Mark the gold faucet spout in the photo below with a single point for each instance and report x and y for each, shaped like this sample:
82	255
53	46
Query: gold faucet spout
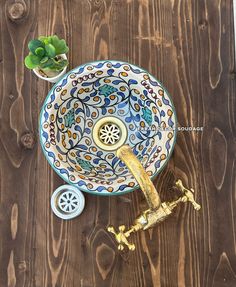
157	211
126	154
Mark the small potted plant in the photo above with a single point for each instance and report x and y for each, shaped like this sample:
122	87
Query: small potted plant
47	58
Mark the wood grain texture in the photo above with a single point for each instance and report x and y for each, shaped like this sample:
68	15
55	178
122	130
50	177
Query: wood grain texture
188	45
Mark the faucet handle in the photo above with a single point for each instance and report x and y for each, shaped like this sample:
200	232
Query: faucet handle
187	194
121	237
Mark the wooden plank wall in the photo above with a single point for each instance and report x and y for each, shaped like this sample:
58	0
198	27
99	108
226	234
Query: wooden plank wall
188	45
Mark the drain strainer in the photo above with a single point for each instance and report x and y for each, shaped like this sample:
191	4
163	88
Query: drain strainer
67	202
109	133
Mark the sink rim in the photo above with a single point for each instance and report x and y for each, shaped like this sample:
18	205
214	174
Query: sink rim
106	193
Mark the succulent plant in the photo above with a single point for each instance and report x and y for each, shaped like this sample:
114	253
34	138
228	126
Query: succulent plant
44	53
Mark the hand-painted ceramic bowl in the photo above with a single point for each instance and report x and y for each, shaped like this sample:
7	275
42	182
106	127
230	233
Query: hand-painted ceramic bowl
96	108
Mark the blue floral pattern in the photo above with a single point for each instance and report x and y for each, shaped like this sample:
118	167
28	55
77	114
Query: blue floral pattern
84	164
147	115
69	118
107	90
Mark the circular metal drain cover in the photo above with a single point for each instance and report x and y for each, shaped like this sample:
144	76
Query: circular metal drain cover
109	133
67	202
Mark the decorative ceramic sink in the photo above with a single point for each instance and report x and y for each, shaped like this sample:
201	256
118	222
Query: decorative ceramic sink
106	128
95	109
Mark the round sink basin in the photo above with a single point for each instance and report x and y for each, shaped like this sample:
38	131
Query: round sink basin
95	109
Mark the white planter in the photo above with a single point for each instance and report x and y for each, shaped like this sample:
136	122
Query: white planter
52	79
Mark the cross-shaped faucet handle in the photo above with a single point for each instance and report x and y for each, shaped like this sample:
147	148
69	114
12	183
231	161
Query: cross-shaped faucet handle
121	237
187	194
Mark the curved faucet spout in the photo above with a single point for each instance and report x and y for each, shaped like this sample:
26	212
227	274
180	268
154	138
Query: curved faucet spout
126	154
157	211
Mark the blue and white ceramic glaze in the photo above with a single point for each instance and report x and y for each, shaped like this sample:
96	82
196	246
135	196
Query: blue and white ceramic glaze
96	90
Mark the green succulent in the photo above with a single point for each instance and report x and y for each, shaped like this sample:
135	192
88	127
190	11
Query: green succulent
44	53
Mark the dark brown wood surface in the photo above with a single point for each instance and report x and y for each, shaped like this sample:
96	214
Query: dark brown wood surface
188	45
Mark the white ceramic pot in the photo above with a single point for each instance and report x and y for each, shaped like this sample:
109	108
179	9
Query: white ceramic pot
55	78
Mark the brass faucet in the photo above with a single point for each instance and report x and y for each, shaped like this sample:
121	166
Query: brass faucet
157	211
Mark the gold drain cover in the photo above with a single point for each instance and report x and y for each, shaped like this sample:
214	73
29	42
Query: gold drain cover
109	133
